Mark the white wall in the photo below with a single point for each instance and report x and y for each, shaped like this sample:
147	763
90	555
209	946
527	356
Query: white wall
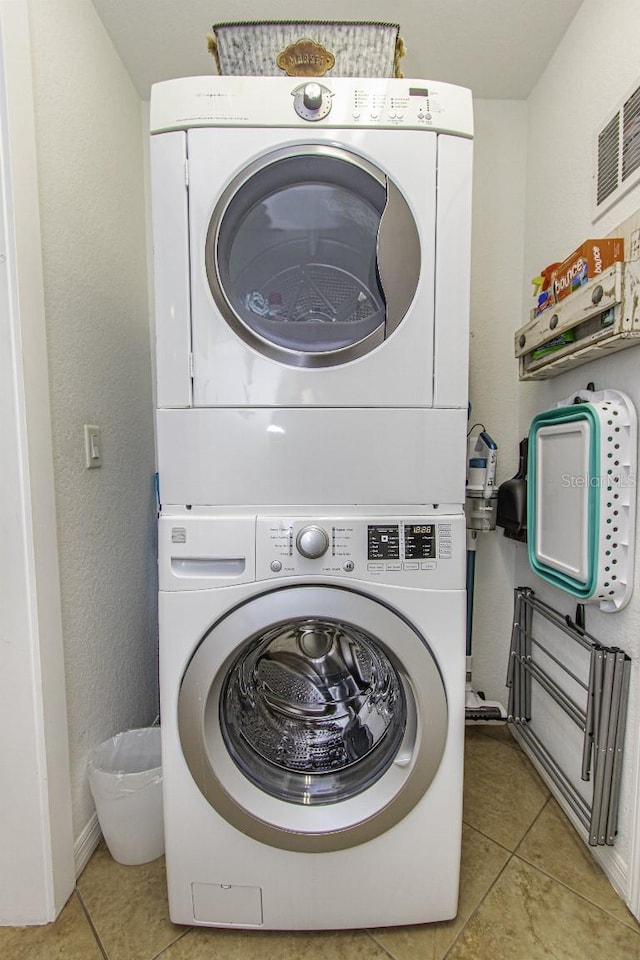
90	168
496	287
593	68
36	846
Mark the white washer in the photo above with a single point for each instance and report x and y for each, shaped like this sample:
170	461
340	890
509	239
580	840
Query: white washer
312	256
312	691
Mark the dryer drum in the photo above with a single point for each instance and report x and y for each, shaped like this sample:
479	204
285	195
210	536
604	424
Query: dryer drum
311	293
313	711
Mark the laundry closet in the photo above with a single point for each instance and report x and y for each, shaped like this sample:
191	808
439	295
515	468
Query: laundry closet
532	205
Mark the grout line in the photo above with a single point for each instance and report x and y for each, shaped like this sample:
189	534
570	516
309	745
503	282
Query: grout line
477	906
631	923
85	910
581	896
381	946
493	839
532	824
511	855
173	942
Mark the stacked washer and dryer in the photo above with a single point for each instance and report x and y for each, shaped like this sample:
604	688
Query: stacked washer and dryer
311	254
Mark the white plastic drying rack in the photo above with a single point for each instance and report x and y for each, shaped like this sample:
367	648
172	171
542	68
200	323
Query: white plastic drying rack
582	496
601	717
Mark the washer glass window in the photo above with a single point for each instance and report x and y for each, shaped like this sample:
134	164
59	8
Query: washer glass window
313	711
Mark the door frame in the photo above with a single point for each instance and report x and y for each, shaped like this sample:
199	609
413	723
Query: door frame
36	834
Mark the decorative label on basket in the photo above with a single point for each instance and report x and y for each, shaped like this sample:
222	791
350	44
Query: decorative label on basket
305	58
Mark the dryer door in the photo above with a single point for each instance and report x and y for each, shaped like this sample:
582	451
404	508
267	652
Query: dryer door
312	718
312	255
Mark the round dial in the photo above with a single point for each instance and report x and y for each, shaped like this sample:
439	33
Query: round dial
312	542
312	96
312	101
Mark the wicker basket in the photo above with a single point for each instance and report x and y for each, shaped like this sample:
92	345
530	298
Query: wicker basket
309	48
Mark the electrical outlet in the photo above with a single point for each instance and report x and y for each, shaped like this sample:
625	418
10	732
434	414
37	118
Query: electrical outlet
92	446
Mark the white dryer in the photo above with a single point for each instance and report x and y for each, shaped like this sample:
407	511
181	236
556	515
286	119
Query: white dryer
311	250
304	256
312	692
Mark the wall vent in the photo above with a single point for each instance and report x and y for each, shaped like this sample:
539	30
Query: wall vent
617	154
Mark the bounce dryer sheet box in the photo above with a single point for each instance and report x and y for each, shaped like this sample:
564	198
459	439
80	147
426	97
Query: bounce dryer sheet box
590	259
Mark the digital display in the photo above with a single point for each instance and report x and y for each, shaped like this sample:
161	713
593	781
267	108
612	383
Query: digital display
383	542
419	541
418	92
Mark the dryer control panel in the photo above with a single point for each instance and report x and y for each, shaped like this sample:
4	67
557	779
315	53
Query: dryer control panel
411	551
373	102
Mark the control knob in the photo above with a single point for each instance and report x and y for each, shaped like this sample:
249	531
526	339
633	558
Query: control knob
312	542
312	96
312	101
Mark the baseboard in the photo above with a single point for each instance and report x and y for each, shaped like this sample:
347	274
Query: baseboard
616	869
86	844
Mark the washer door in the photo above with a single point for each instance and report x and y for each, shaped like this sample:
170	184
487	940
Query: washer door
312	256
312	718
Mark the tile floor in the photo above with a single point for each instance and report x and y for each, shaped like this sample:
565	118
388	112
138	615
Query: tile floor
530	891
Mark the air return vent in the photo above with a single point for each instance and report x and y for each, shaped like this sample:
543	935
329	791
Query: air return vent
631	136
608	159
618	154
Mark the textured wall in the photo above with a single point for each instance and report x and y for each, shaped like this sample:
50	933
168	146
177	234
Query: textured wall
567	107
496	285
89	138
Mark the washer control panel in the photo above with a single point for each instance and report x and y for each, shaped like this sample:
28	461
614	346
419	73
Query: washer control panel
407	550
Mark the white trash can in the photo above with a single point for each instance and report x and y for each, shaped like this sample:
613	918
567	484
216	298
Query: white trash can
125	776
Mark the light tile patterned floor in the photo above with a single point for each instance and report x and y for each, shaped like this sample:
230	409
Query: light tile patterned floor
529	891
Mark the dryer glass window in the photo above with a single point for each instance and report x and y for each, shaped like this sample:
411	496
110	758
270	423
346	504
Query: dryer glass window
292	257
313	711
